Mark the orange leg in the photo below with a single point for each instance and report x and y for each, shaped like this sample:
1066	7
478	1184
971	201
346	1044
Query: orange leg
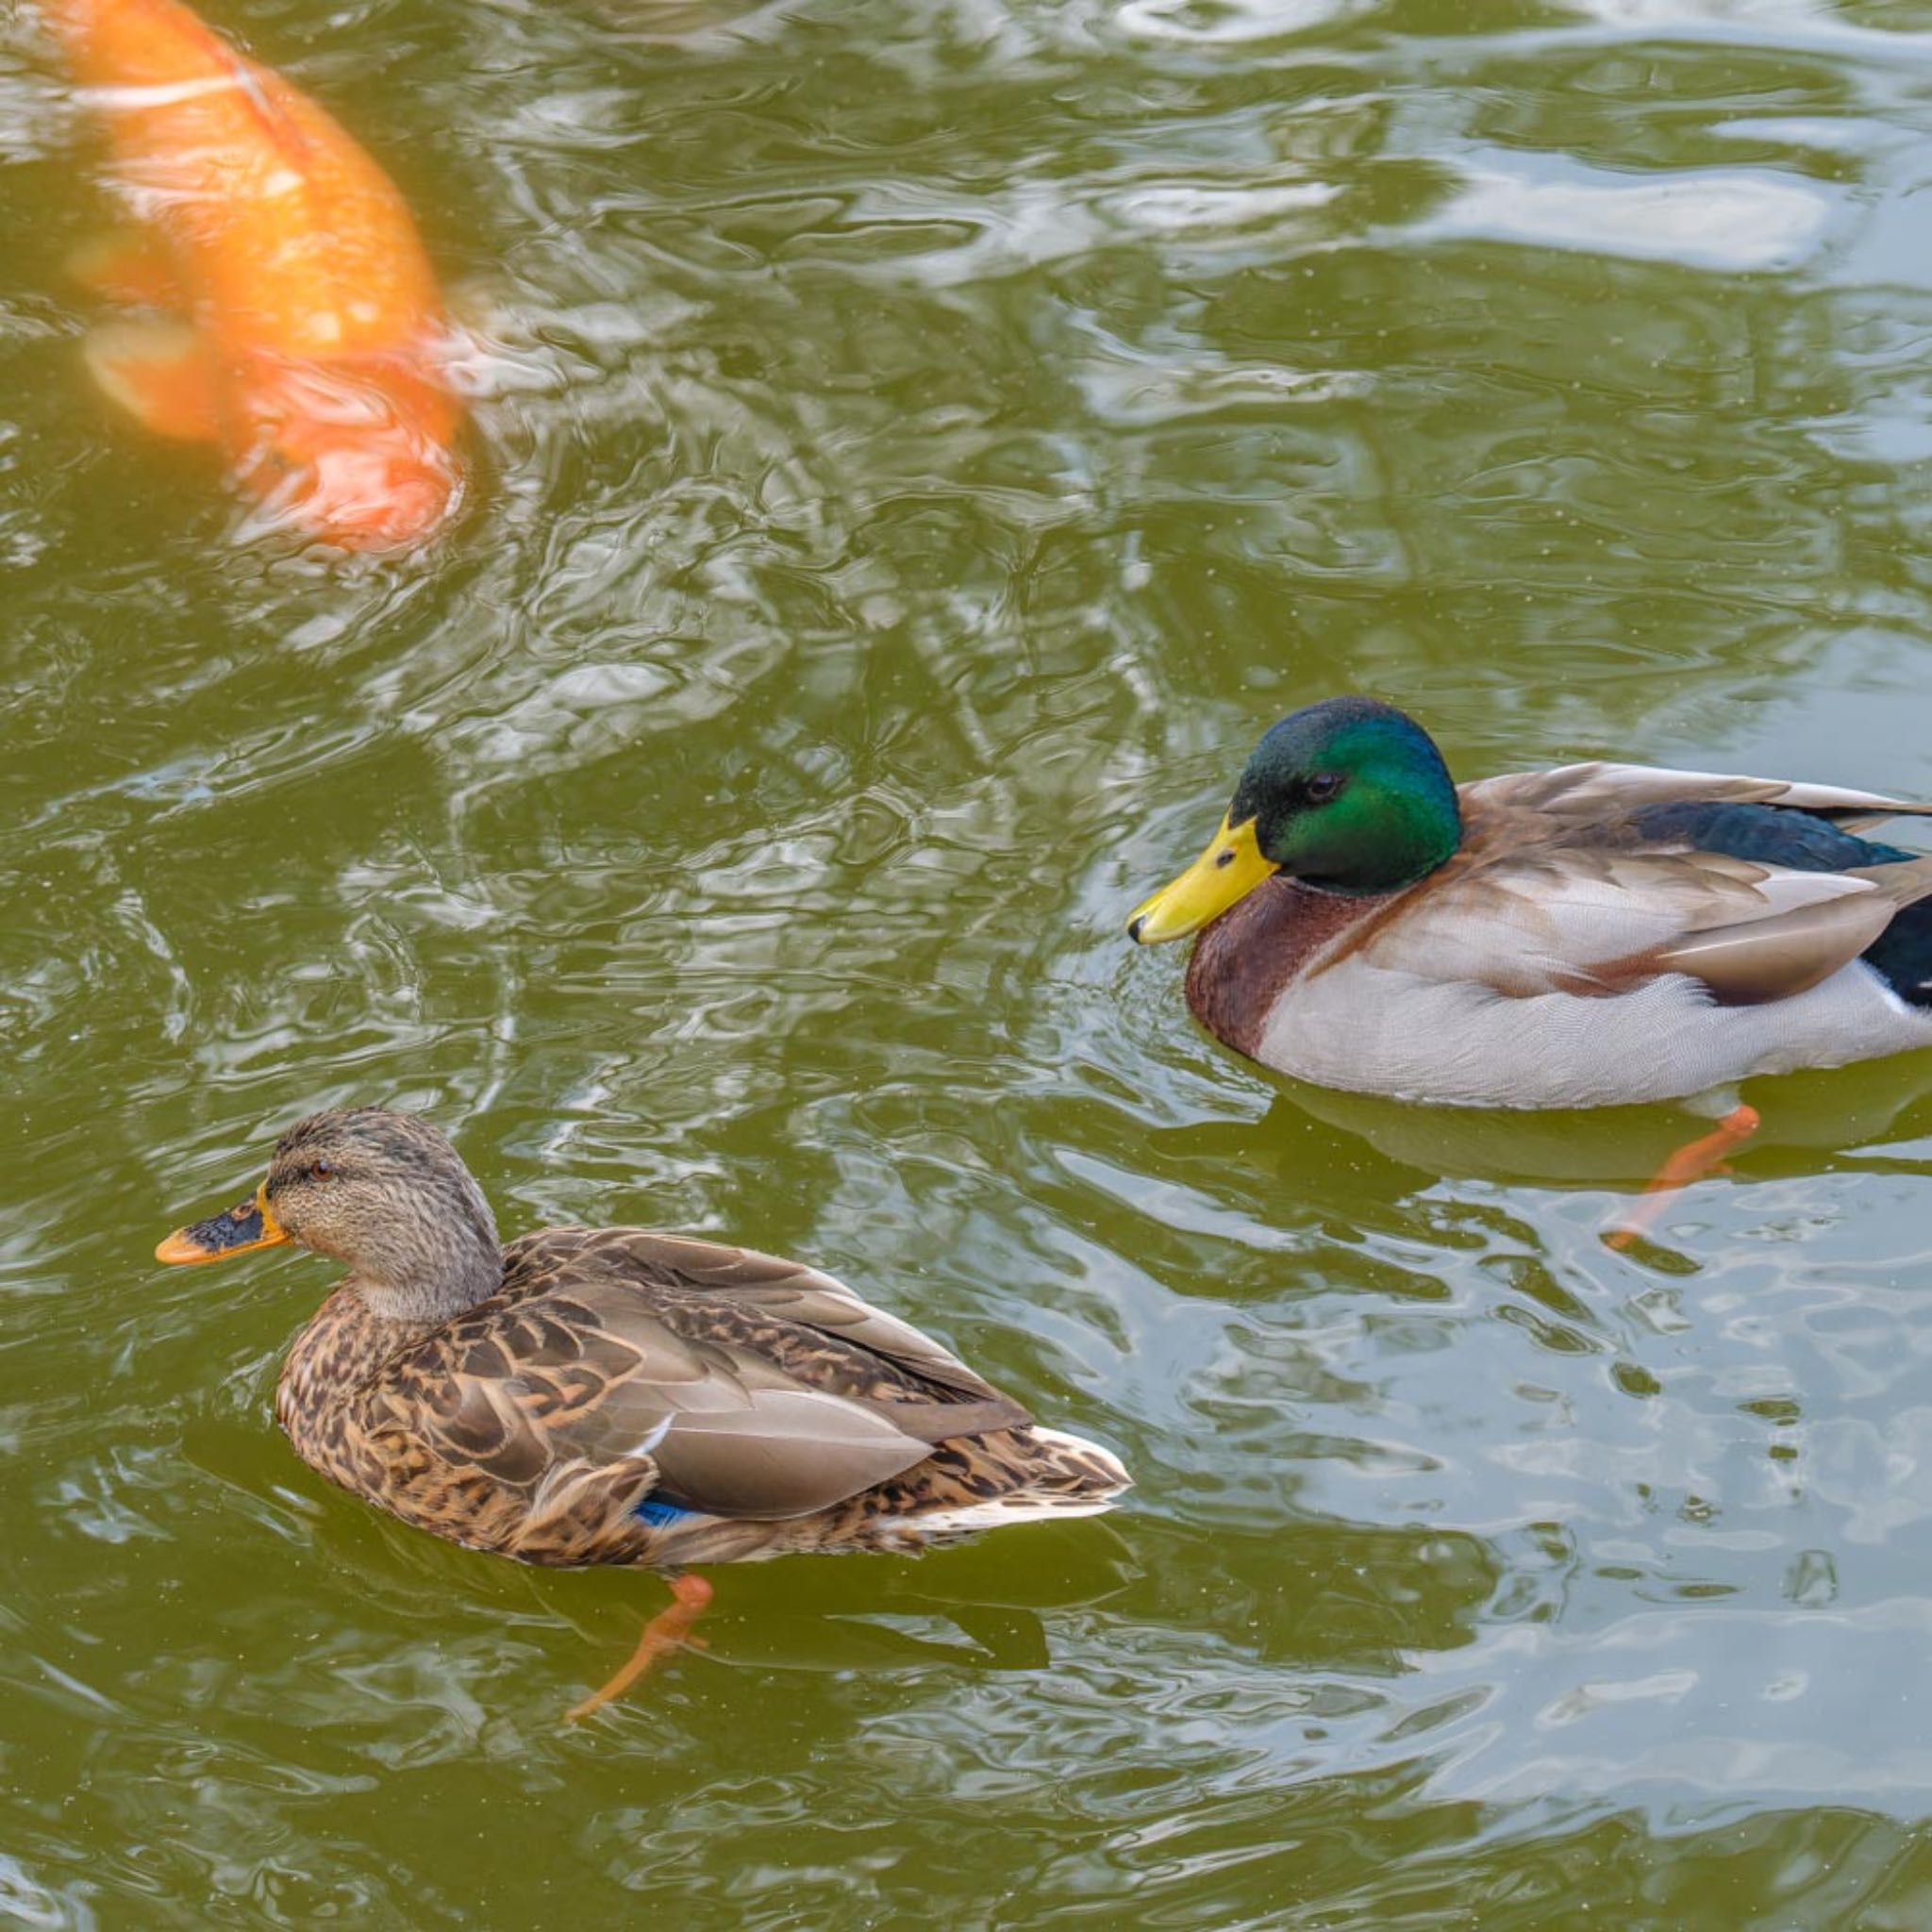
689	1596
1702	1157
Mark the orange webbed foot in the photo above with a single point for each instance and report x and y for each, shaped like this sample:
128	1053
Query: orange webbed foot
690	1598
1703	1157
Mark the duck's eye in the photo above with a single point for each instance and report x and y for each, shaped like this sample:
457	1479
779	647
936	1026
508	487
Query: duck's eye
1324	786
320	1170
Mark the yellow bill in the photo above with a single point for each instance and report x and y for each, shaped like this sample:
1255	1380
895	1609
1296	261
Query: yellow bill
1227	872
245	1226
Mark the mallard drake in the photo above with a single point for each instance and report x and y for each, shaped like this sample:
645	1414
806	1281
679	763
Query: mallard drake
615	1395
1591	936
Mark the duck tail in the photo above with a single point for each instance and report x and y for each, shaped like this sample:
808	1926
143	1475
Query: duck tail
1072	1463
1047	1472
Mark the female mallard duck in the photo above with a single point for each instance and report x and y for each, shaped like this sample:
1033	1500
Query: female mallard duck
1585	936
613	1396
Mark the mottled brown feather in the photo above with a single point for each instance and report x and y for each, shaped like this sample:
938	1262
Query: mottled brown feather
617	1364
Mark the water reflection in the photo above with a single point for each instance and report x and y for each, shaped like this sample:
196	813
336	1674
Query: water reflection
916	453
1820	1112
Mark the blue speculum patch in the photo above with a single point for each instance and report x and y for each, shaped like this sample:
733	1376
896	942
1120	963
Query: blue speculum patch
659	1514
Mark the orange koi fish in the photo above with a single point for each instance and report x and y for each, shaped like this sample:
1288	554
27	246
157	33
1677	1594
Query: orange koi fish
307	328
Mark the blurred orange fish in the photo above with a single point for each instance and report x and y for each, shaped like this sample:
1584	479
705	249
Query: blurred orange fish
311	330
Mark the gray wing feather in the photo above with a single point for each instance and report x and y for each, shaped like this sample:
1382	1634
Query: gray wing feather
1554	890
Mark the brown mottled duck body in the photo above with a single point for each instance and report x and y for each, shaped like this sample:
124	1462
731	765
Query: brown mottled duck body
616	1395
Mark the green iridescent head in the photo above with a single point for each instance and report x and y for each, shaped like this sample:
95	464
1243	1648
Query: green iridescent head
1350	795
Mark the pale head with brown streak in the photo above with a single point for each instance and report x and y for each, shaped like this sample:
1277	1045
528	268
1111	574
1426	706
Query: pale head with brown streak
384	1193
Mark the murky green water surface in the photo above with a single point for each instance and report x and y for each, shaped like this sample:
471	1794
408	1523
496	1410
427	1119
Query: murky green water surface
920	447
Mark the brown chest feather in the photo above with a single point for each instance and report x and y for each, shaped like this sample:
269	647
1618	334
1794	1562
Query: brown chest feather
336	1355
1243	963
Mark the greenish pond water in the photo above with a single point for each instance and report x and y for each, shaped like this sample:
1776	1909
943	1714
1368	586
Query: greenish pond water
919	447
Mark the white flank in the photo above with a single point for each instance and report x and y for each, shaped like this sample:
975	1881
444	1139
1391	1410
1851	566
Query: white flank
997	1514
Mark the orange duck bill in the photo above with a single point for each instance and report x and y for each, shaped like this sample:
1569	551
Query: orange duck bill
245	1226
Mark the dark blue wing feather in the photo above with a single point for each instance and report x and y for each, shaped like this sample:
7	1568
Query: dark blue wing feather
1802	842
